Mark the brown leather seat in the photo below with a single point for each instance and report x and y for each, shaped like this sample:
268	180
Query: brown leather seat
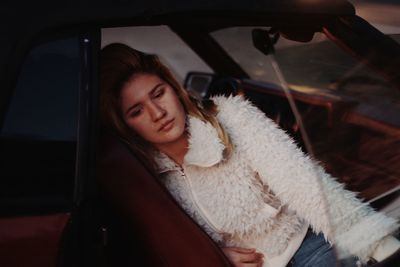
161	233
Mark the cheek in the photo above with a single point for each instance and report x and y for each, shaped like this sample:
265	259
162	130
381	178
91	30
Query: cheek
178	106
142	128
179	114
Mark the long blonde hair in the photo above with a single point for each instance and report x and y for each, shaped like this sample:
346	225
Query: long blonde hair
118	64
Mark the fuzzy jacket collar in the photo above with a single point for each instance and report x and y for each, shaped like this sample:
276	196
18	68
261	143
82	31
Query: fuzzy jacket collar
205	147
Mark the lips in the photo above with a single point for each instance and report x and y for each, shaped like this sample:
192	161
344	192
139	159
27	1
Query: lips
166	126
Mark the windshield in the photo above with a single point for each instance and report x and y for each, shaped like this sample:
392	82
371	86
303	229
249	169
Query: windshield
318	65
340	111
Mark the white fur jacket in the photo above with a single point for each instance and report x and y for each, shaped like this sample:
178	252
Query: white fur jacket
267	190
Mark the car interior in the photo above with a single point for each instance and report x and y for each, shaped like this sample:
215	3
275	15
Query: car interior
324	118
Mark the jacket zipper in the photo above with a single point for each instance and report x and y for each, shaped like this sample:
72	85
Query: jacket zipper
195	201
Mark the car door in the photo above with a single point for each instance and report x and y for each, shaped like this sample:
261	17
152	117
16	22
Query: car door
43	156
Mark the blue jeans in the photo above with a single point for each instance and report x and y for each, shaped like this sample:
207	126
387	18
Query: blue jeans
316	252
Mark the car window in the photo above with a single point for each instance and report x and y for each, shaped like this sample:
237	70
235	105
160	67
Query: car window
349	113
158	40
39	134
323	59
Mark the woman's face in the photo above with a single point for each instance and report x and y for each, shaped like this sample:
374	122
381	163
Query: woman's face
152	109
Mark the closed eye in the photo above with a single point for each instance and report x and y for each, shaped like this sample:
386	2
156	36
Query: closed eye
135	112
159	93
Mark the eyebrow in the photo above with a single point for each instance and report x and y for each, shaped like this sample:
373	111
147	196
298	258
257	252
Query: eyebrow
151	92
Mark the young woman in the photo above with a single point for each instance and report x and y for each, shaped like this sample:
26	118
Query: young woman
239	176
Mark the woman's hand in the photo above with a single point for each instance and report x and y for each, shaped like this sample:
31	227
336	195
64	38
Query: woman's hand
244	257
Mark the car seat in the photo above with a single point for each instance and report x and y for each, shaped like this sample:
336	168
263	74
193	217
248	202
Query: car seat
146	226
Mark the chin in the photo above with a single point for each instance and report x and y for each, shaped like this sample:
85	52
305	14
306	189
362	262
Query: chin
172	136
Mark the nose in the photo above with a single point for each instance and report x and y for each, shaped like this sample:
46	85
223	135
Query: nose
156	111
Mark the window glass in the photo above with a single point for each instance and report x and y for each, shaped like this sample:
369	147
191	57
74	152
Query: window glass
350	113
317	64
158	40
238	43
44	104
38	138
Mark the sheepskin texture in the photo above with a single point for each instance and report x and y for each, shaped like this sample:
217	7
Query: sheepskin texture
267	190
212	152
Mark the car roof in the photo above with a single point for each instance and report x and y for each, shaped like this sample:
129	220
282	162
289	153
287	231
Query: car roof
111	8
38	16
